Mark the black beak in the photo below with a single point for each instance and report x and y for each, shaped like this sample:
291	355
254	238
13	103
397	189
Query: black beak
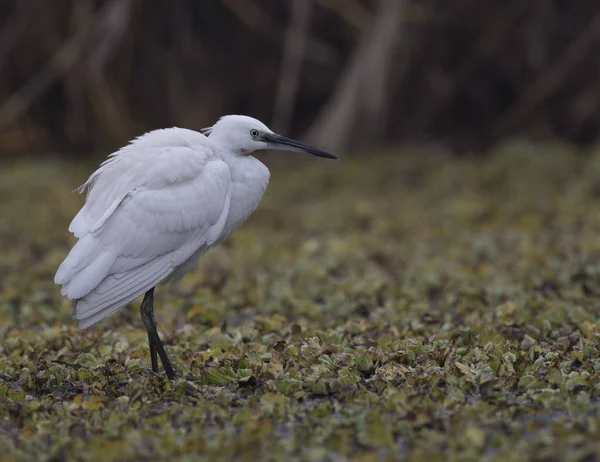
278	141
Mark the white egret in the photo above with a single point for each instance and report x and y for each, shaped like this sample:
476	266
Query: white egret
155	206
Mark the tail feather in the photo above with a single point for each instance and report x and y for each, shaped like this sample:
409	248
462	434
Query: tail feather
85	322
88	279
118	290
83	253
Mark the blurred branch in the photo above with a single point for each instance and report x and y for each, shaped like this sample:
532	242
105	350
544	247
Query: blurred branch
20	101
109	34
351	11
13	29
363	83
291	65
60	64
250	14
76	122
549	81
490	40
378	71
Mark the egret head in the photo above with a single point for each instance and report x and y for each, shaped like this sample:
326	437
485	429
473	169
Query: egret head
243	135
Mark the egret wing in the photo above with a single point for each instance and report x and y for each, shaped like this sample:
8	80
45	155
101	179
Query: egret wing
150	234
155	160
152	229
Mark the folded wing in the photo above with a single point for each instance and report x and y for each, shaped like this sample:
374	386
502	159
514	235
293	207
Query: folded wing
136	235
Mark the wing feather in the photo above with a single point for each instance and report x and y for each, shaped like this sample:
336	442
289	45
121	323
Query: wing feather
114	293
137	234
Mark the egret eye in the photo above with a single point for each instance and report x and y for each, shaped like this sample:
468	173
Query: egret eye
254	133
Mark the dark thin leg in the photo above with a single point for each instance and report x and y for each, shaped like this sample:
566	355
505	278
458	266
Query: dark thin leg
153	356
156	346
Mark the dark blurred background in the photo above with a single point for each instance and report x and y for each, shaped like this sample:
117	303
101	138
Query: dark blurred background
83	75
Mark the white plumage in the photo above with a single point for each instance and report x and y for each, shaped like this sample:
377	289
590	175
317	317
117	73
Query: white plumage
155	206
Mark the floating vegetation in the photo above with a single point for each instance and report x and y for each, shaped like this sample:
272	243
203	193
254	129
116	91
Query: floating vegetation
382	308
